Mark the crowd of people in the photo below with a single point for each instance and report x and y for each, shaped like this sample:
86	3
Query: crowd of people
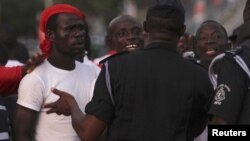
158	83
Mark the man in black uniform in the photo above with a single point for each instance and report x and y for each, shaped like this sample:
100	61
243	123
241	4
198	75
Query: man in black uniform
231	103
151	97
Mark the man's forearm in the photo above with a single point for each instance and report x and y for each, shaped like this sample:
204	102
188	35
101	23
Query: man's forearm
77	119
22	136
88	127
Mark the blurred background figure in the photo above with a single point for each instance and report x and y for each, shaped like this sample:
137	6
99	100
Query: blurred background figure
17	52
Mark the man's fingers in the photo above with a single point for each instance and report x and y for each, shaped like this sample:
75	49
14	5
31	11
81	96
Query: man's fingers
57	92
53	110
50	111
50	105
34	61
30	69
38	58
41	56
182	39
33	58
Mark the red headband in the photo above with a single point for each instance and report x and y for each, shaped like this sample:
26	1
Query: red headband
45	44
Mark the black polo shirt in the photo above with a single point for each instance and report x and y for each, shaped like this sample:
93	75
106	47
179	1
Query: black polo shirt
158	96
232	99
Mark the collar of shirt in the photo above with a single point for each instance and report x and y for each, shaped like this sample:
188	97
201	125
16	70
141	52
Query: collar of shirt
162	45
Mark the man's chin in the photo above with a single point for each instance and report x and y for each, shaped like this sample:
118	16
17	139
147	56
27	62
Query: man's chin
131	49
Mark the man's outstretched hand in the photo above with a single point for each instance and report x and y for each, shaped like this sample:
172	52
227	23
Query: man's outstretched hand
63	105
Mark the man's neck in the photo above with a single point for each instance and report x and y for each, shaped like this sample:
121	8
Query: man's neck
160	37
62	62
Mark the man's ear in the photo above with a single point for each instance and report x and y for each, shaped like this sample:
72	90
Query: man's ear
145	26
50	35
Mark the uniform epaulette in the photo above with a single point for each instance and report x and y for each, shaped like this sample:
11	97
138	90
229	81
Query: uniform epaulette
235	50
113	56
237	55
198	64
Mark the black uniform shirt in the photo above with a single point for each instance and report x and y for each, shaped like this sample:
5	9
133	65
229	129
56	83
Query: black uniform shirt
158	95
232	98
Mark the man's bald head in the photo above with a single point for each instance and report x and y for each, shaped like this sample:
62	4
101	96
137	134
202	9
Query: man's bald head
120	19
124	33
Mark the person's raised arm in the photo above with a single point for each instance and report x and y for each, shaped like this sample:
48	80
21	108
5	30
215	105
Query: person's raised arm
88	127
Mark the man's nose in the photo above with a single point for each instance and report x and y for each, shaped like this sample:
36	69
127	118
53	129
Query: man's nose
131	36
210	40
79	32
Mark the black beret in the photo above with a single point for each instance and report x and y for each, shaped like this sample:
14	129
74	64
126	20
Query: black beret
175	3
166	11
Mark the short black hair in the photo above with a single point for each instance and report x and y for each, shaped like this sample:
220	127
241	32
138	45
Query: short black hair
165	18
51	24
215	22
